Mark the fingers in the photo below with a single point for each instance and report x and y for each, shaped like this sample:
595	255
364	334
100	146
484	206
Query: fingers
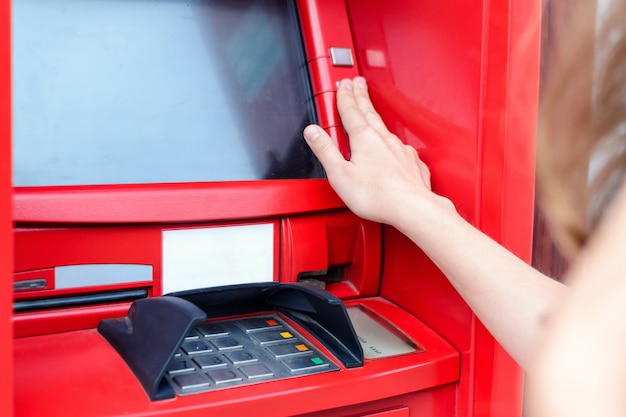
324	148
364	103
352	118
356	109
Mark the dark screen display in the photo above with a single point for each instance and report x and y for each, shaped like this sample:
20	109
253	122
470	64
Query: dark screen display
158	91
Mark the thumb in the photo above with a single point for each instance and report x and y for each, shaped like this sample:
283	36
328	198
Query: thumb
323	146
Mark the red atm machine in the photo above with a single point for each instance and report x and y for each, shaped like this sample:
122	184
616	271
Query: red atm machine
175	248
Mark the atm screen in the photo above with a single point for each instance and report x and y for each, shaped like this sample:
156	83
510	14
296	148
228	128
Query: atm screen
159	91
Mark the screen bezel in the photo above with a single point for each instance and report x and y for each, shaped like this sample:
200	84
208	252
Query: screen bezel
173	202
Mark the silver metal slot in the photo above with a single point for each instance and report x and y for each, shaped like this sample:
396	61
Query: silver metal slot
30	284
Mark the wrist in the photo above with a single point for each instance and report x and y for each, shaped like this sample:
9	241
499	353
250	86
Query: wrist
420	216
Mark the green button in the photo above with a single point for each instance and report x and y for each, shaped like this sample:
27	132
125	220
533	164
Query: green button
317	361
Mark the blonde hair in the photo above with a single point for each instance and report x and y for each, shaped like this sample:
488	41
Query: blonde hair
581	150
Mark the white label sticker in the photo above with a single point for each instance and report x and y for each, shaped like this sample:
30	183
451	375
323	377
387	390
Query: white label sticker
215	256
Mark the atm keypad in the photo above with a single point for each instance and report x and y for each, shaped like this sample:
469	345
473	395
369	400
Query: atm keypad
283	350
180	366
211	361
194	347
236	352
241	356
272	336
191	382
227	343
305	363
211	329
256	371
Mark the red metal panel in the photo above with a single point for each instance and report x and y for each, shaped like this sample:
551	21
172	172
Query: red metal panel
446	77
85	376
324	26
57	321
50	247
398	412
152	203
324	76
38	251
510	84
304	249
415	404
327	101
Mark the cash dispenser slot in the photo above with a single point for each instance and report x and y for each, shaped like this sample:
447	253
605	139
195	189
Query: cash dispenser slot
337	251
155	330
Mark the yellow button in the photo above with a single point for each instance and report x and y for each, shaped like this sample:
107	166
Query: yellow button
286	335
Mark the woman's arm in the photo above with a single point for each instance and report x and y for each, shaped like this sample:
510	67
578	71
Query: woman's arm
580	365
385	181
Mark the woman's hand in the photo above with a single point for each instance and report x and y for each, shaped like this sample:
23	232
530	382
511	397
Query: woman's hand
386	181
382	171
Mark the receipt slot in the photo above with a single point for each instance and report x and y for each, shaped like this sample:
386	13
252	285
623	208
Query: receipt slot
176	248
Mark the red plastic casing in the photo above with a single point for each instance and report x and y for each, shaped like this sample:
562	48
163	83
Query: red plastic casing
458	80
